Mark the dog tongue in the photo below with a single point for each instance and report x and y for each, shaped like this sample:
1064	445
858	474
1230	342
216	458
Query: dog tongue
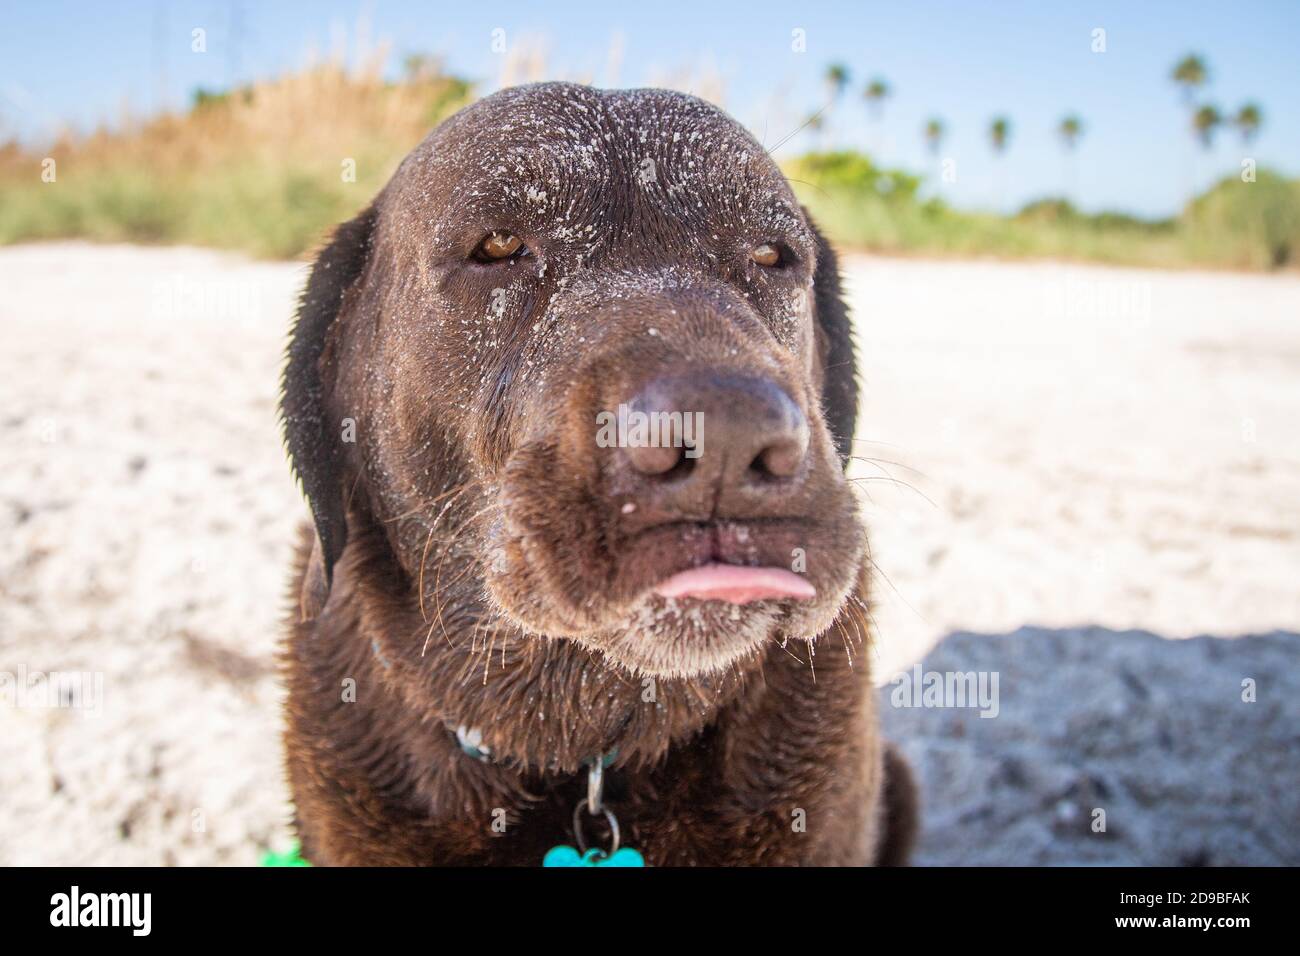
737	585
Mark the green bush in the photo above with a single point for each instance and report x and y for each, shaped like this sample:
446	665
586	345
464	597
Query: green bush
1250	224
861	205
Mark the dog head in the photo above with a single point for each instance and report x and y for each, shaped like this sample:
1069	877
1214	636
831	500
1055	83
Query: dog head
586	347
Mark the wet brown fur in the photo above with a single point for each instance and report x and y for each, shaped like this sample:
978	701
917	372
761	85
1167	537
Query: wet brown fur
469	566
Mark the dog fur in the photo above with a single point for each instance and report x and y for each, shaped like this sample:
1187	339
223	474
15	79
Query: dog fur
473	562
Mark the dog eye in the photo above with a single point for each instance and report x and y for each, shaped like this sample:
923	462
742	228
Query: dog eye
497	246
766	255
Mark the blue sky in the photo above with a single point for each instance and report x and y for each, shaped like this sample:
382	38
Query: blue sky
82	63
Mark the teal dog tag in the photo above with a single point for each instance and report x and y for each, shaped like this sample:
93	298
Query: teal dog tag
291	857
568	856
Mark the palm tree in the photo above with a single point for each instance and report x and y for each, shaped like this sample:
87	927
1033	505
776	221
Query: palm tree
999	136
1190	73
1205	122
935	130
999	133
1248	121
934	133
1070	129
837	80
876	93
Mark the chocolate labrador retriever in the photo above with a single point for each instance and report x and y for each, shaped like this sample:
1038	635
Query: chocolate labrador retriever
571	403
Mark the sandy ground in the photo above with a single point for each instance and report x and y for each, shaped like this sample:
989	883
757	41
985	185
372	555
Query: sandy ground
1047	446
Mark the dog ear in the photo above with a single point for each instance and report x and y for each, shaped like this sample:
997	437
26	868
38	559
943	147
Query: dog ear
840	371
314	444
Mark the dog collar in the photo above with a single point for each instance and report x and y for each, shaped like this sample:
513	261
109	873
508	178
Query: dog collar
471	743
470	740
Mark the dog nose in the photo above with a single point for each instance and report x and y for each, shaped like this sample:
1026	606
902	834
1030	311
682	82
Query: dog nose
699	444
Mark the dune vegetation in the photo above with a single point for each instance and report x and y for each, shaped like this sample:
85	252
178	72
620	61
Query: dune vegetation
265	168
1234	225
268	168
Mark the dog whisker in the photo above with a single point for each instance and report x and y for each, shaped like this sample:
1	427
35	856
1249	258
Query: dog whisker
455	538
889	461
898	482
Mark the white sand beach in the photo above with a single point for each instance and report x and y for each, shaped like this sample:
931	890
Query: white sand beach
1048	446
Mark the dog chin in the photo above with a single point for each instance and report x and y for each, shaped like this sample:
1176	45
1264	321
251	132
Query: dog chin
675	637
685	638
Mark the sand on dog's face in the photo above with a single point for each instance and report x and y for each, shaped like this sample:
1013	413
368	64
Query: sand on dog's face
635	266
1088	462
